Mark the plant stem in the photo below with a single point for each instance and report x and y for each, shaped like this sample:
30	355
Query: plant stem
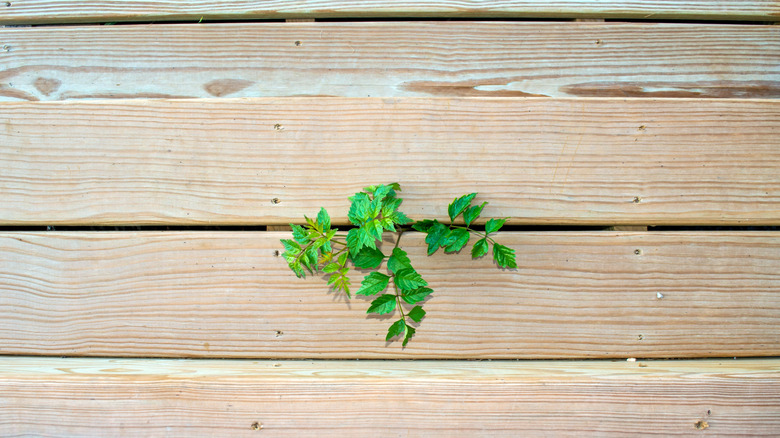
485	235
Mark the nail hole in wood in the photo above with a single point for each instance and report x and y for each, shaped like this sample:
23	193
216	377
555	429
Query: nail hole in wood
276	201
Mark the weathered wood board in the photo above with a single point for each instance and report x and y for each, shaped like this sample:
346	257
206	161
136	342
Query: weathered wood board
258	161
227	294
62	11
391	59
111	397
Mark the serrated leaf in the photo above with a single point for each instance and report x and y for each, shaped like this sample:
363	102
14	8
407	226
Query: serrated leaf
390	206
312	224
366	236
437	234
504	256
354	241
330	268
383	305
398	260
409	279
400	218
358	210
368	258
340	281
396	329
417	314
323	219
409	333
494	225
309	259
373	283
387	224
480	248
300	234
423	226
343	258
381	192
461	238
374	229
459	204
472	213
417	295
291	246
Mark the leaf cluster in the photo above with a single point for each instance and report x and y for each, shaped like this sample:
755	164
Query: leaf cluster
317	247
453	237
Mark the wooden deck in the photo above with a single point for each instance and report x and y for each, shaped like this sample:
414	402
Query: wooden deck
152	151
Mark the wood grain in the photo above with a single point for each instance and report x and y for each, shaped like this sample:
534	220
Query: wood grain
256	161
226	294
119	397
61	11
391	59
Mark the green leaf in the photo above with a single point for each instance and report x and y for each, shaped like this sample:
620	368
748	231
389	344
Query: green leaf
299	234
333	267
382	305
343	258
374	229
494	225
400	218
398	260
354	241
417	314
323	219
417	295
366	235
309	259
388	224
471	214
340	281
423	226
373	283
458	205
504	256
409	333
461	239
390	206
480	248
409	279
291	246
437	235
358	211
396	329
368	258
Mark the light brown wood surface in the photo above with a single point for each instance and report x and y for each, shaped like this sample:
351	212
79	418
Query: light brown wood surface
270	161
60	11
226	294
391	59
120	397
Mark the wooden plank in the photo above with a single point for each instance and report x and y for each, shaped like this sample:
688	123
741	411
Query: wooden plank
118	397
536	160
63	11
391	59
227	294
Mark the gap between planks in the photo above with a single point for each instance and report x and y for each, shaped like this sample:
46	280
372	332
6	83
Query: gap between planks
70	11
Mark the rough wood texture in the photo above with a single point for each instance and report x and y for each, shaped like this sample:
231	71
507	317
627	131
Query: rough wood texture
118	397
59	11
391	59
536	160
226	294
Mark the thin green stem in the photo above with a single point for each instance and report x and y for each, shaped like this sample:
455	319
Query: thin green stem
485	235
